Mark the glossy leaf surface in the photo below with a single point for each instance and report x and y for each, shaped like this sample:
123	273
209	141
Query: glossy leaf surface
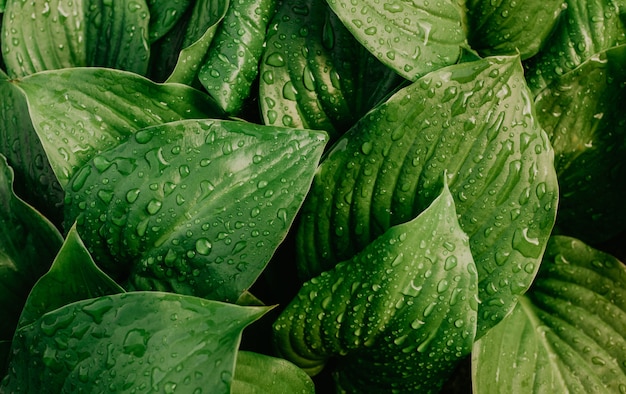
256	373
164	15
567	334
387	312
475	122
412	38
196	207
148	340
79	112
28	245
582	112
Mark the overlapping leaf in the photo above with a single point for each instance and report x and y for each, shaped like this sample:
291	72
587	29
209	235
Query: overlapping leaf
387	313
79	112
257	373
412	38
476	122
567	334
195	207
144	341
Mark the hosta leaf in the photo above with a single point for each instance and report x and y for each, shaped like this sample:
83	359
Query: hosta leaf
413	38
585	28
388	312
54	34
196	207
28	244
232	62
257	373
582	112
19	142
507	27
164	14
73	277
79	112
144	341
179	53
567	334
476	122
320	77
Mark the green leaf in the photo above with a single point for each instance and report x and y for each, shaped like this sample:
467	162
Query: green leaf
585	28
507	27
475	122
79	112
321	77
28	244
54	34
412	38
73	277
164	15
232	63
196	207
583	113
145	341
19	142
567	334
256	373
387	313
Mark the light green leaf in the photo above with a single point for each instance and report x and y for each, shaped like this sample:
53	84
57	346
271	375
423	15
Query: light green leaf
413	38
387	313
508	27
79	112
567	334
28	244
73	277
55	34
232	63
585	28
256	373
145	341
474	121
196	207
583	113
321	77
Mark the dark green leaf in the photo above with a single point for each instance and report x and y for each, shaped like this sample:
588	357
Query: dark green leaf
256	373
567	334
28	244
508	27
232	62
476	122
54	34
585	28
319	77
73	277
144	341
388	312
412	38
164	14
196	207
583	113
79	112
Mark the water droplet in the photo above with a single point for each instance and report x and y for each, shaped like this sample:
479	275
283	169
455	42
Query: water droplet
203	246
289	91
154	206
527	245
275	59
450	263
443	285
370	31
135	342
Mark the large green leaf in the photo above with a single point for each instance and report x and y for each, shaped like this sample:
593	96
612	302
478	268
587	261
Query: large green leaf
476	122
19	142
507	27
196	207
232	63
583	113
567	334
28	244
257	373
585	28
388	313
54	34
139	341
413	38
73	277
314	74
79	112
